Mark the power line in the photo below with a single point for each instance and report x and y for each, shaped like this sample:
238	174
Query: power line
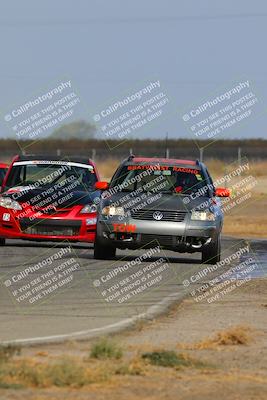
123	20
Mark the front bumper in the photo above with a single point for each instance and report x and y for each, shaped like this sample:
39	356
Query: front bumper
186	236
46	229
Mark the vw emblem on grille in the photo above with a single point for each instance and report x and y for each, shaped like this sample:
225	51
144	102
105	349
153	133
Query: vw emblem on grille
157	215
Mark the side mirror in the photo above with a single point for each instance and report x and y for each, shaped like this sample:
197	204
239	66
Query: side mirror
101	185
222	192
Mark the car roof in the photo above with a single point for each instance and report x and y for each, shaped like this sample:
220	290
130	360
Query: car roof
3	165
33	157
163	160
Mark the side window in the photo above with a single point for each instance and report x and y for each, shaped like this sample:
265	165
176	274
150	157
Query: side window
16	176
210	180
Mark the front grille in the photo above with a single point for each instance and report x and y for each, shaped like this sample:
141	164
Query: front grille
51	230
51	227
54	212
163	240
172	216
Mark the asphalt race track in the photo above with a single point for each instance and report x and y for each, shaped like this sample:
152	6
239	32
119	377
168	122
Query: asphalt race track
85	298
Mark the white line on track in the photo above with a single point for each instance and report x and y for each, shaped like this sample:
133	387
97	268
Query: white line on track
152	312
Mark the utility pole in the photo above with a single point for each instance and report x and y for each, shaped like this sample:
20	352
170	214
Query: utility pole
239	156
201	151
167	152
93	154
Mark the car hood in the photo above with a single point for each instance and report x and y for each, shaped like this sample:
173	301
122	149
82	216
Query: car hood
23	194
170	202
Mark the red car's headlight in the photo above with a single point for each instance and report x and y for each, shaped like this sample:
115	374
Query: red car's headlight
7	202
88	209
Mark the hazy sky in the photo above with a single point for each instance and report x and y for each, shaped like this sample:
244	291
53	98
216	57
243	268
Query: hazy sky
107	48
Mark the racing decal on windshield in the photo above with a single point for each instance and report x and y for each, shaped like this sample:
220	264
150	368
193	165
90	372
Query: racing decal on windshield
187	170
51	162
152	167
163	168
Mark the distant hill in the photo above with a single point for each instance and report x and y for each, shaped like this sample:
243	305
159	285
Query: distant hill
74	130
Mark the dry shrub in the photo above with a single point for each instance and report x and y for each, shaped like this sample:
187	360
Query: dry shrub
233	336
170	359
105	348
238	335
63	372
134	367
9	351
41	354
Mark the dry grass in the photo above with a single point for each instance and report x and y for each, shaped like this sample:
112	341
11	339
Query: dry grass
237	335
62	372
77	372
218	168
107	168
248	219
258	169
241	226
7	352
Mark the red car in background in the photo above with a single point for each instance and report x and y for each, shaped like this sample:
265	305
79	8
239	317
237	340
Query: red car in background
46	198
3	171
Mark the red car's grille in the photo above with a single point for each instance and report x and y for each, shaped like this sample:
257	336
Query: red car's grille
52	230
51	211
51	227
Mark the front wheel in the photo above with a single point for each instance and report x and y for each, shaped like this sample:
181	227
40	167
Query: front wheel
2	241
211	254
104	252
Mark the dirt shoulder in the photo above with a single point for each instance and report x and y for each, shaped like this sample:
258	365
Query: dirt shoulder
220	367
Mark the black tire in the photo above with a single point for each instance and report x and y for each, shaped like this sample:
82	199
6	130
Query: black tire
211	254
2	241
104	252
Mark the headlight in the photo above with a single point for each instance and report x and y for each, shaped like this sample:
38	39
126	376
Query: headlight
90	221
7	202
202	216
111	210
89	208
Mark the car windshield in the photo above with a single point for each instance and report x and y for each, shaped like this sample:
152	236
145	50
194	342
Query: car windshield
161	178
2	174
43	174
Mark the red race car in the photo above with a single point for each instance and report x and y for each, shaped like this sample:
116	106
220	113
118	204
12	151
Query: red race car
3	170
49	199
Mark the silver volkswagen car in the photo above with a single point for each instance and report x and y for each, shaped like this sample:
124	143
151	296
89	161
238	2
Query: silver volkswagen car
166	201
